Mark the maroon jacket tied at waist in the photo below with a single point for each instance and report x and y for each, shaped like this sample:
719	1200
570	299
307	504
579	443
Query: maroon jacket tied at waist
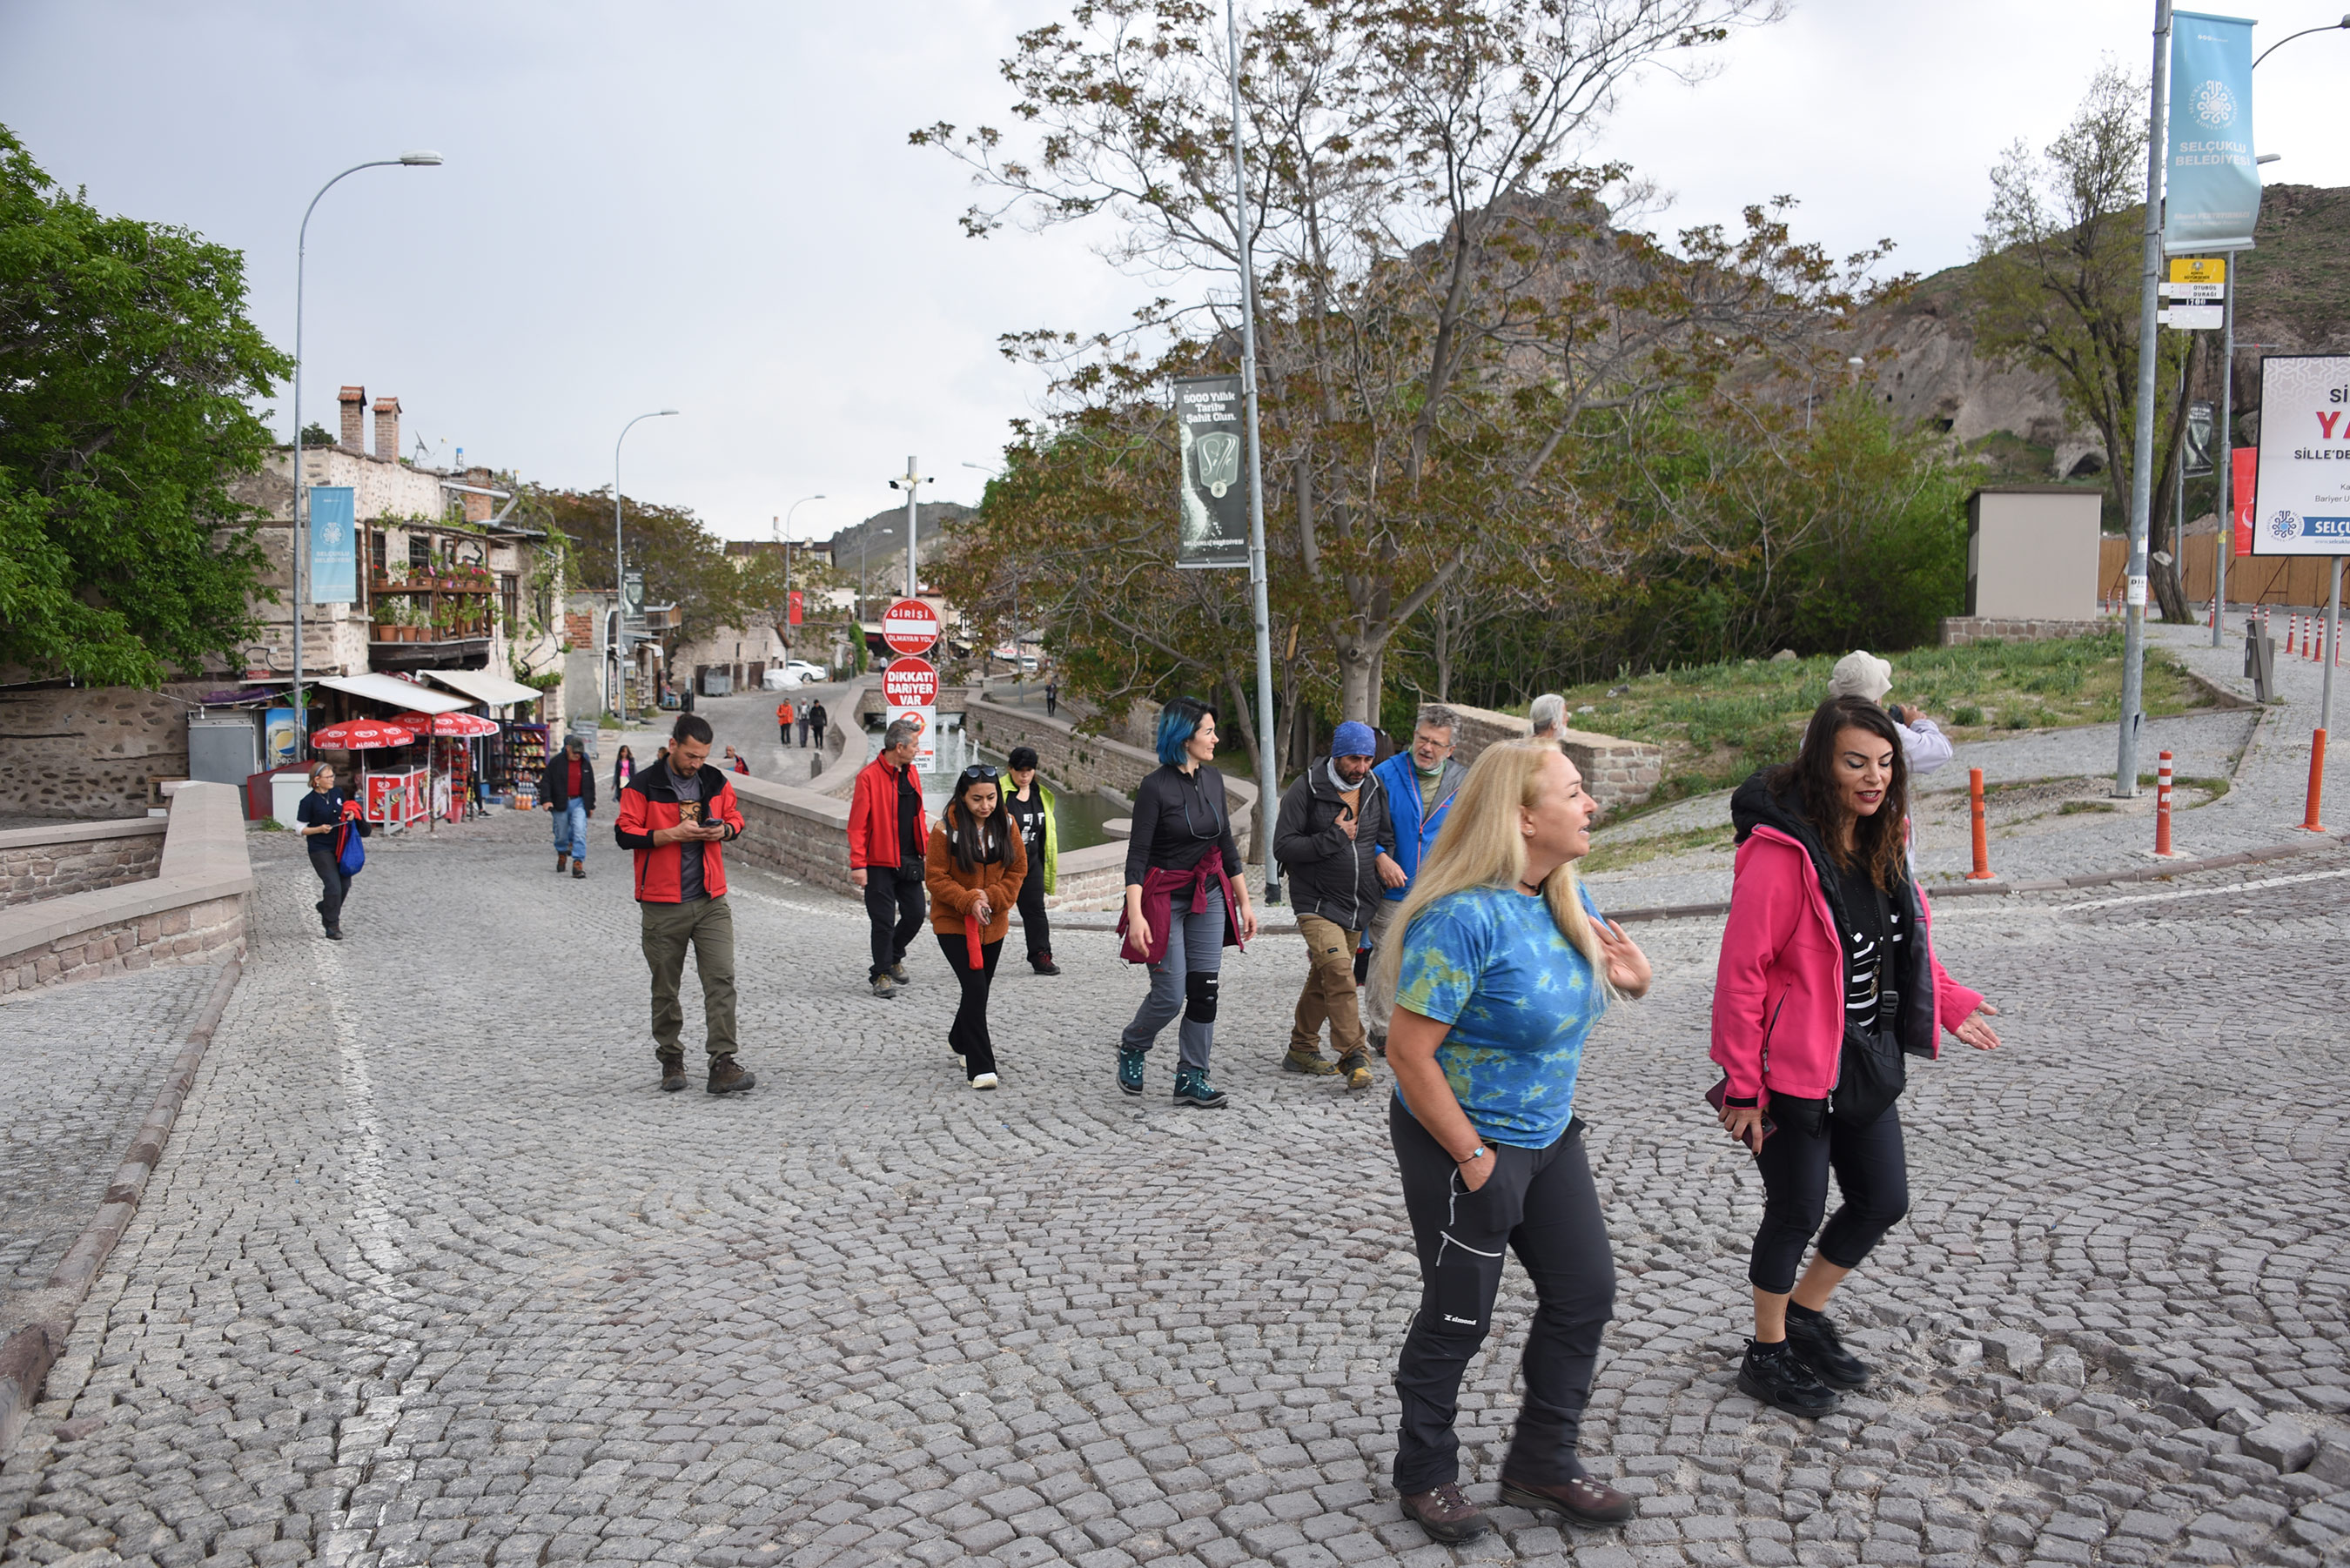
1159	887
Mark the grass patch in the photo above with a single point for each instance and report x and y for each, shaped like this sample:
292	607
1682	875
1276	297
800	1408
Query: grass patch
1615	857
1718	722
2076	808
270	825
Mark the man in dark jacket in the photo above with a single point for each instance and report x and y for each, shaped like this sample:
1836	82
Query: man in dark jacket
567	788
1330	833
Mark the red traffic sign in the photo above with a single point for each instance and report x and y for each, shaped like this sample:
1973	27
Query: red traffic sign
910	683
909	625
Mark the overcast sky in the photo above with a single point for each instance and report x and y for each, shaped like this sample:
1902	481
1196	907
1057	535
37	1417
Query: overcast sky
713	207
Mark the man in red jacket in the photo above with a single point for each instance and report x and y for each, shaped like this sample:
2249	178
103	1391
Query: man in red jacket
675	815
889	835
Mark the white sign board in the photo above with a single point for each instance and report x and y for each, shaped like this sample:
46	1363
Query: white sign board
2191	318
925	748
2304	496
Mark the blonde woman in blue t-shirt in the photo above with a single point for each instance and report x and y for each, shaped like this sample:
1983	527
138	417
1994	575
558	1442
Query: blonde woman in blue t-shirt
1504	965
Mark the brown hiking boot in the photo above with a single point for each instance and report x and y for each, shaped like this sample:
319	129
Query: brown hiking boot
1445	1514
579	869
672	1071
1583	1499
1357	1067
1310	1061
562	861
726	1076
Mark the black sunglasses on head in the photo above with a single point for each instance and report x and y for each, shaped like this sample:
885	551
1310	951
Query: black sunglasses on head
980	773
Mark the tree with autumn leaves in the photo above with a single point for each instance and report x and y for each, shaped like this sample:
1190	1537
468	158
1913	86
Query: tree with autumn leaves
1455	323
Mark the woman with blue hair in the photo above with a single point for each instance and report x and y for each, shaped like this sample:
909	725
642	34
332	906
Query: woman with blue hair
1186	898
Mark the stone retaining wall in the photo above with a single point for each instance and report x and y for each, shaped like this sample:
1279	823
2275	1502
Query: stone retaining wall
1617	772
85	752
194	909
1958	631
79	858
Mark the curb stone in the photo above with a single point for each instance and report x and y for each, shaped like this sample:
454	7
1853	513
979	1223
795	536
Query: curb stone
37	1323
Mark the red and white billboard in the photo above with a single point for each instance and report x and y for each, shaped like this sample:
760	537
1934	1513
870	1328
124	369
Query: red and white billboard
909	625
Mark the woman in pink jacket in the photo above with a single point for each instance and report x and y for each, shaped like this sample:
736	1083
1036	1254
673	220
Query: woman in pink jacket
1827	981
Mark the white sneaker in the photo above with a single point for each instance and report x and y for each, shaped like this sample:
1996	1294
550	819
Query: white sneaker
984	1080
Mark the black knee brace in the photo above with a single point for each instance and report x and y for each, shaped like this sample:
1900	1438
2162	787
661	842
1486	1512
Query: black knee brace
1200	997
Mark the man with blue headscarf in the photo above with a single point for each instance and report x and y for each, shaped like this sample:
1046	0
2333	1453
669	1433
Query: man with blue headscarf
1329	835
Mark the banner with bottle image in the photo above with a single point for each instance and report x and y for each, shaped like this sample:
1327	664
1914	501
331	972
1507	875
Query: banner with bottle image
1213	527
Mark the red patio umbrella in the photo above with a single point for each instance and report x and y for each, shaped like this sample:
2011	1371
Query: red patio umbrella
463	725
363	735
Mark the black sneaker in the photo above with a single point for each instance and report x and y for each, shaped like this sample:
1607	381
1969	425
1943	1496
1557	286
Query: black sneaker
1776	1377
1816	1343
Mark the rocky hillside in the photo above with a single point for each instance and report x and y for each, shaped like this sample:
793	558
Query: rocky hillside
2290	301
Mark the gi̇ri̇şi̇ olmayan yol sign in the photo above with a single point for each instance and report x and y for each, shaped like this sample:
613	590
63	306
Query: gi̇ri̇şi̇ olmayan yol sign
1214	530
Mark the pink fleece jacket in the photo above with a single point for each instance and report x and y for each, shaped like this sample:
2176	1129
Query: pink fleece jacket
1778	993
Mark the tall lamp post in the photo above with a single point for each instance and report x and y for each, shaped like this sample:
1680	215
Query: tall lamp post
301	491
619	575
782	529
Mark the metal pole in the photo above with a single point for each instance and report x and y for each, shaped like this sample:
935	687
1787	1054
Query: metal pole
1267	786
2333	630
2223	544
619	572
912	522
2142	455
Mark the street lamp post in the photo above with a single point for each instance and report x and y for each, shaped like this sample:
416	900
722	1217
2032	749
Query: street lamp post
782	528
620	574
301	491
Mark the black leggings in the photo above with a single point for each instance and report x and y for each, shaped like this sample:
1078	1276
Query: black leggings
330	876
1870	1170
1539	1203
968	1034
1033	925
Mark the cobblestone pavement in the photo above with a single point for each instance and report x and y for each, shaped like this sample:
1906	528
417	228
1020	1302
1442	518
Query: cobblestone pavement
432	1273
82	1065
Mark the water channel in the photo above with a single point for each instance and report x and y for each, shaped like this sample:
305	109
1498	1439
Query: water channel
1078	815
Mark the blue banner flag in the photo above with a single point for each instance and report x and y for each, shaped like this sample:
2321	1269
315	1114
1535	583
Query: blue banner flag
2213	185
334	545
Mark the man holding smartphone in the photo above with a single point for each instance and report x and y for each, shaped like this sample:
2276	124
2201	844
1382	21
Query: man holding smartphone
675	815
1329	834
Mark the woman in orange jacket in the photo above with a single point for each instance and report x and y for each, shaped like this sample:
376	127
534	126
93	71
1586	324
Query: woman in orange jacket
973	870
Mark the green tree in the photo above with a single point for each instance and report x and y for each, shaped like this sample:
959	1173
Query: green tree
2056	285
684	561
125	364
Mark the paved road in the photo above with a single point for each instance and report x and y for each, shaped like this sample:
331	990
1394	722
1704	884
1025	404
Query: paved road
433	1275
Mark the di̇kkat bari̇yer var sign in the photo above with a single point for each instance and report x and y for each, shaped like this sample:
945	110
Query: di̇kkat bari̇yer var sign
2302	505
1213	526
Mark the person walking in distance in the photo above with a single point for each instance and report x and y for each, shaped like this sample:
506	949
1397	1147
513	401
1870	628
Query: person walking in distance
1827	980
1052	696
567	788
1328	833
675	816
319	817
1417	786
1030	805
624	768
1501	964
785	715
802	724
1186	898
816	720
888	832
1861	674
975	869
1548	717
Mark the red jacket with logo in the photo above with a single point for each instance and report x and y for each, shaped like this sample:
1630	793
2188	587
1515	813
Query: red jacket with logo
873	820
649	804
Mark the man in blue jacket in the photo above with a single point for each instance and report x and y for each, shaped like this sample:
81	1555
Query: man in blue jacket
1417	787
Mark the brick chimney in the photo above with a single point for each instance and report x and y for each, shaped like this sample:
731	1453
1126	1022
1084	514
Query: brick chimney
478	507
386	429
354	401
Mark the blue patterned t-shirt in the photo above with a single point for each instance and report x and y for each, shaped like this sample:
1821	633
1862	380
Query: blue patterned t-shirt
1520	999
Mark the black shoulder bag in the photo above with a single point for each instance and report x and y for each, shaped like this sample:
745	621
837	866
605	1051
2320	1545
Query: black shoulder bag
1872	1074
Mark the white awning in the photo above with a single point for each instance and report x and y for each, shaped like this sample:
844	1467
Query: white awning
484	687
398	693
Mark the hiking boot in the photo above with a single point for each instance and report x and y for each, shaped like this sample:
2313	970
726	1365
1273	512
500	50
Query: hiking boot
1817	1345
898	973
580	870
1445	1514
1130	1069
333	933
1357	1066
672	1069
726	1076
1193	1090
1379	1046
562	861
1043	964
1302	1059
882	988
1581	1500
1775	1375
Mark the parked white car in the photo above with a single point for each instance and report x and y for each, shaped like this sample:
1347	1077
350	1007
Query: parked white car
797	672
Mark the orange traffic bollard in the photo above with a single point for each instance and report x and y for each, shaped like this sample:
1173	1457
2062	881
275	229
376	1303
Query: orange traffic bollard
2162	805
2316	781
1981	873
